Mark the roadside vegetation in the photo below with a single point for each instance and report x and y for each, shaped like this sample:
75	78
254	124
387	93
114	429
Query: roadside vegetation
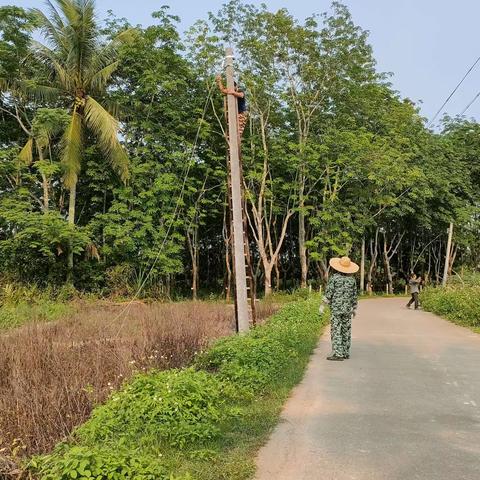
53	374
458	302
201	422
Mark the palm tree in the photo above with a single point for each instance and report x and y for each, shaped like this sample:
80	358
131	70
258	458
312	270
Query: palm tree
79	67
46	124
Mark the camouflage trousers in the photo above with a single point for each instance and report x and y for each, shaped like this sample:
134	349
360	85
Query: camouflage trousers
242	122
341	334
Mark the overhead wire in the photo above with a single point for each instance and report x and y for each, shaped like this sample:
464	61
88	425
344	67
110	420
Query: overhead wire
178	202
453	91
470	104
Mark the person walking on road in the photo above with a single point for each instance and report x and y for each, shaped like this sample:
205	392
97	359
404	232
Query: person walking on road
414	285
342	297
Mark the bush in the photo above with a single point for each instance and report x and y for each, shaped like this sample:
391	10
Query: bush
257	360
459	304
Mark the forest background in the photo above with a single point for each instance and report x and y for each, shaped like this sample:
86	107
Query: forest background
333	158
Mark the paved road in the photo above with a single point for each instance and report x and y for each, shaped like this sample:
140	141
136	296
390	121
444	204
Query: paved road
406	405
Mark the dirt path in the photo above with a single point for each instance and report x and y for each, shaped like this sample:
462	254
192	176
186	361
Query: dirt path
406	405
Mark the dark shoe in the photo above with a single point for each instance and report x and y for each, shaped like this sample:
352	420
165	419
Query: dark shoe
334	358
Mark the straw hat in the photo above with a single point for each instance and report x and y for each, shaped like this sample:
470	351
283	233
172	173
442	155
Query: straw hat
344	265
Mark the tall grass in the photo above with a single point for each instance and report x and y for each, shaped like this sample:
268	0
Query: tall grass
53	374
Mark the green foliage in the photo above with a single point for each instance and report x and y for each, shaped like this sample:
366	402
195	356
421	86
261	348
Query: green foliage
457	303
199	420
36	247
24	304
256	362
98	463
24	312
177	407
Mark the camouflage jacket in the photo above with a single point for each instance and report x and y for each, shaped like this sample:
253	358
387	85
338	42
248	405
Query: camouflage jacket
341	294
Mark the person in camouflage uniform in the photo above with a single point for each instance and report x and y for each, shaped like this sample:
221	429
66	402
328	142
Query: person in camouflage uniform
341	295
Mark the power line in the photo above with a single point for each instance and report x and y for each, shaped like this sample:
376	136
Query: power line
470	104
453	92
179	200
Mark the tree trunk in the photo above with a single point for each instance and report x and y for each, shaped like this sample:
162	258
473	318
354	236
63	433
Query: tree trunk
277	275
448	252
194	280
228	280
45	193
192	240
302	238
268	280
45	185
373	262
71	221
388	270
437	258
453	256
362	267
322	269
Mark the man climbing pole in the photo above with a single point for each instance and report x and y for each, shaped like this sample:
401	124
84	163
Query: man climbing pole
341	295
241	103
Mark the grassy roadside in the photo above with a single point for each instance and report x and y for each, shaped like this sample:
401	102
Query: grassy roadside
205	422
16	314
23	304
458	304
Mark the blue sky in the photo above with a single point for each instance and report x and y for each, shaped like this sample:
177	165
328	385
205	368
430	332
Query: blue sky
427	44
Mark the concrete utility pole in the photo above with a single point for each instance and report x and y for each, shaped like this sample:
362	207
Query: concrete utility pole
241	296
447	255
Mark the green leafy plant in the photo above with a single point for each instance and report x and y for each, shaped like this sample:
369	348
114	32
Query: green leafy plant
96	463
177	407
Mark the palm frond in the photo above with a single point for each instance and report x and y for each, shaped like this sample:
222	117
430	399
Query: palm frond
119	159
50	60
113	108
105	60
52	29
56	18
71	10
30	89
5	84
100	78
102	124
105	127
75	20
72	145
26	154
39	92
122	38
